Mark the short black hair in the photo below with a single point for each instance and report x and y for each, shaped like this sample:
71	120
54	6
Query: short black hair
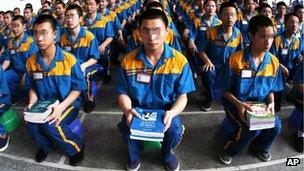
11	13
281	3
20	18
16	8
75	7
257	22
28	7
153	14
297	7
1	12
226	5
45	18
47	2
287	16
96	1
61	3
154	4
206	1
46	11
262	6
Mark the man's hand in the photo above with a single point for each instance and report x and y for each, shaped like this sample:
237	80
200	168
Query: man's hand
270	107
284	71
57	112
242	107
83	67
129	115
167	119
192	47
102	49
208	66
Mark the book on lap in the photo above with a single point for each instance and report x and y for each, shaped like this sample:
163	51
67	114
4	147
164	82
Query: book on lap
39	111
260	117
149	126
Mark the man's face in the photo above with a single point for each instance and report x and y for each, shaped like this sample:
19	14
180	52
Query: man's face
1	18
45	6
262	40
16	12
103	4
27	14
292	24
44	35
91	6
228	16
300	14
282	10
72	18
250	5
210	7
18	28
7	19
267	12
59	9
152	32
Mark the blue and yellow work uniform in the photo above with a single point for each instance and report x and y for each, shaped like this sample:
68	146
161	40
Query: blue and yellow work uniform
29	26
279	24
17	53
169	78
242	24
5	98
248	82
56	81
6	35
218	50
287	52
171	39
84	48
102	29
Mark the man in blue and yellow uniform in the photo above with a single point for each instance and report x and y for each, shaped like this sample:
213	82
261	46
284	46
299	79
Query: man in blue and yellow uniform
215	46
19	49
154	76
5	103
102	29
83	44
287	48
53	73
6	32
252	74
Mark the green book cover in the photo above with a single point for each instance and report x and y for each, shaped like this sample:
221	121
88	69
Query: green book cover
41	106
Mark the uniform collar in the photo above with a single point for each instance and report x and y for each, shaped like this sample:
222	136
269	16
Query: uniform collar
87	20
79	36
168	53
248	58
58	57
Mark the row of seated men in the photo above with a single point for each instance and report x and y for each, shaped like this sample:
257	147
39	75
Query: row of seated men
89	39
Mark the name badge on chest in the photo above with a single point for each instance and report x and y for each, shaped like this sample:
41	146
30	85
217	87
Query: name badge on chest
246	73
68	48
38	75
4	37
278	26
12	51
203	28
143	78
284	51
244	22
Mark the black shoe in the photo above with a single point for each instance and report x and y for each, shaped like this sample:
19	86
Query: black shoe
40	155
207	105
88	106
77	158
298	141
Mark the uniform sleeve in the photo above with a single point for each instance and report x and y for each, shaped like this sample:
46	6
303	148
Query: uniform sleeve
109	30
77	78
28	83
185	83
33	49
277	84
4	91
94	53
122	84
223	80
5	56
117	24
202	41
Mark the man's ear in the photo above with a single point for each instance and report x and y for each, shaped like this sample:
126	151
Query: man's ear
251	36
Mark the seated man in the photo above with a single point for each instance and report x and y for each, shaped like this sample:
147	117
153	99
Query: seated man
252	74
52	73
83	44
19	49
154	76
5	103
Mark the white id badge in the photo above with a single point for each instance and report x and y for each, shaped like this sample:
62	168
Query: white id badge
244	22
298	35
284	51
38	76
4	37
246	73
203	28
143	78
68	48
85	27
12	52
278	26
